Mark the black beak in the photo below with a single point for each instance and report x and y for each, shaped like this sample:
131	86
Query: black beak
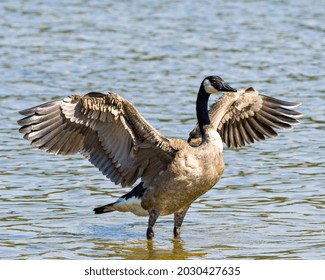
226	87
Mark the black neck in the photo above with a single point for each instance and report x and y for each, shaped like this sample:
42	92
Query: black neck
202	113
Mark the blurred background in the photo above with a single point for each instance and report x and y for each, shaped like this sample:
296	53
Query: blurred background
270	202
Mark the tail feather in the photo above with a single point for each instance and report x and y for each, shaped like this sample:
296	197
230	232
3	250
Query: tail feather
130	202
105	208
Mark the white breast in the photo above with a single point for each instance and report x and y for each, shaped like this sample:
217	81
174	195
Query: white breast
215	139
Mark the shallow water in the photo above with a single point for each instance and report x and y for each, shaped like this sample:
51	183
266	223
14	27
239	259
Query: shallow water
270	203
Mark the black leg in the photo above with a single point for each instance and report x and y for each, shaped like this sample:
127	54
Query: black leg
178	220
153	216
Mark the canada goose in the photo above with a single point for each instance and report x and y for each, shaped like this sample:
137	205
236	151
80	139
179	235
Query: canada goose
109	131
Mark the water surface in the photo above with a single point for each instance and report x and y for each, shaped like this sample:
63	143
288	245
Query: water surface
270	203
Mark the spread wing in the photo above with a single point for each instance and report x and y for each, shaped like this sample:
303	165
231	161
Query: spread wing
246	116
106	128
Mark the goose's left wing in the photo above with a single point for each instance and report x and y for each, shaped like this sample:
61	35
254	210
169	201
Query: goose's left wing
246	116
105	128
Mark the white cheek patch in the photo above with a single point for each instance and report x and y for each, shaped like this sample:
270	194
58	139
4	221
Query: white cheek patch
208	87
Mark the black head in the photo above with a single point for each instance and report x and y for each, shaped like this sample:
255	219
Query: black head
214	84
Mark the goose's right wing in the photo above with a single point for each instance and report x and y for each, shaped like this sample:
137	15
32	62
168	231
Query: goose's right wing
106	129
246	116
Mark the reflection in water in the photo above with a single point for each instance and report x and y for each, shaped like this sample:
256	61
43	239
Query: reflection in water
144	250
176	253
130	243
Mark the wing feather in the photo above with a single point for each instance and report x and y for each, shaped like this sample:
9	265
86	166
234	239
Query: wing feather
246	136
246	116
262	127
280	115
252	132
238	136
106	129
231	136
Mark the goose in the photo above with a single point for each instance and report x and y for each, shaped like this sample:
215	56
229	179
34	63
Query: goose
171	173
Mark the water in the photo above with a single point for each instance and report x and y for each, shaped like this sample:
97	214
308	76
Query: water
270	202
